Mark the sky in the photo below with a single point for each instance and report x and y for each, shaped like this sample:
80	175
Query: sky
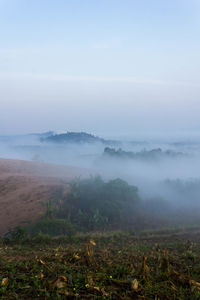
108	67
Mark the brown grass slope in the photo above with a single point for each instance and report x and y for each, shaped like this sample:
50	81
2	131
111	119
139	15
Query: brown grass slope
24	185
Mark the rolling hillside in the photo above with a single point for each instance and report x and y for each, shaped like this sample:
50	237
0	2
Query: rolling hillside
24	185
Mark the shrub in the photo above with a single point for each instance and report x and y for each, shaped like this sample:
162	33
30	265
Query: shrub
53	227
17	234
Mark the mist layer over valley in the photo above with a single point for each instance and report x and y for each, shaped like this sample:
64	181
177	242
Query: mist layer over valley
165	170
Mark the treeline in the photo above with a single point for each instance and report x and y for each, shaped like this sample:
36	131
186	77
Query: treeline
144	154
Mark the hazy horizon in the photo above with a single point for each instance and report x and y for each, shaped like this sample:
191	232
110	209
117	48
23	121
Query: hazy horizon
109	68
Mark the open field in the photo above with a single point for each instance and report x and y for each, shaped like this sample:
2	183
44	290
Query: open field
115	265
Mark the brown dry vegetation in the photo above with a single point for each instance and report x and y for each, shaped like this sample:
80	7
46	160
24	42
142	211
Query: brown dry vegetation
24	185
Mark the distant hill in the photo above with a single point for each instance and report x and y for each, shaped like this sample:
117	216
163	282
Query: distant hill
77	137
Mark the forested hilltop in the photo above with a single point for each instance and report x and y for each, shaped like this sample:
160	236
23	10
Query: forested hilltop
77	137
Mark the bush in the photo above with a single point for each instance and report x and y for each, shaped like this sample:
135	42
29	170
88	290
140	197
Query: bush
53	227
17	234
42	238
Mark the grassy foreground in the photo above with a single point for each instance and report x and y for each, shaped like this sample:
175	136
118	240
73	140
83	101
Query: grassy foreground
114	265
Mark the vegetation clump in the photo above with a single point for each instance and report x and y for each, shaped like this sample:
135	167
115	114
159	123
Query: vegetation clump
93	204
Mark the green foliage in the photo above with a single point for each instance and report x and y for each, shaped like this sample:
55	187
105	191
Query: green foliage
17	234
53	227
94	204
41	238
117	266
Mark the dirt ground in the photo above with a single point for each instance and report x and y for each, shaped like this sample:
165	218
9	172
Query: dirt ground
24	185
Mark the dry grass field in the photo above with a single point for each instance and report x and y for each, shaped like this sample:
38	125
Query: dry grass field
24	185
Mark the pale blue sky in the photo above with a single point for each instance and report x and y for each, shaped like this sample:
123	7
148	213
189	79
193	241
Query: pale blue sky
103	66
